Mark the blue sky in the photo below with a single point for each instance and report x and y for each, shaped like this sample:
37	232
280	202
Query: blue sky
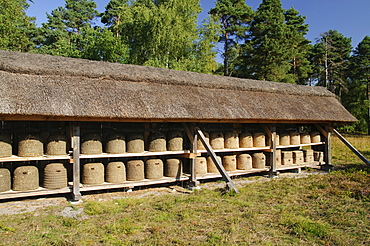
349	17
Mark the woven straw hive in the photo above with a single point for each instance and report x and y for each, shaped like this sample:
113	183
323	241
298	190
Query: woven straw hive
115	144
4	179
284	139
25	178
295	138
308	155
5	146
217	140
135	143
298	158
229	162
259	160
30	146
55	176
211	166
135	170
259	139
315	137
231	140
245	140
157	142
286	158
153	169
200	145
201	165
91	144
116	172
173	168
244	162
305	138
93	173
56	145
175	141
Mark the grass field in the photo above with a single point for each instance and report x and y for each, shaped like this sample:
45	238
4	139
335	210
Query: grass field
331	209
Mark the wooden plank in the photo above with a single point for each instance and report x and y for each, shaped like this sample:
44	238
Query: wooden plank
230	184
76	194
350	146
38	192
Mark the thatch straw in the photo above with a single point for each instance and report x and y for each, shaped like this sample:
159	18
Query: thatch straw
200	145
211	166
201	166
153	169
305	138
56	145
157	142
175	141
116	172
25	178
30	146
55	176
91	144
229	162
245	140
93	173
135	143
259	139
244	162
4	180
259	160
231	140
217	140
135	170
173	168
115	144
315	137
5	146
295	138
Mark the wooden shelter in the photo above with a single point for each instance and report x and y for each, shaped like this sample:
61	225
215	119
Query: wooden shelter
44	95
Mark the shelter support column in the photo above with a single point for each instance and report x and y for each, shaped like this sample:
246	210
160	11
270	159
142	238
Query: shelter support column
271	132
75	159
193	182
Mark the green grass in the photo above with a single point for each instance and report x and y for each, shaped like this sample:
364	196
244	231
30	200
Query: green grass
332	209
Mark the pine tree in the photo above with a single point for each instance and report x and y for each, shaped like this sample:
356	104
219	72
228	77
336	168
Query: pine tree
299	46
357	98
16	28
234	17
330	57
267	53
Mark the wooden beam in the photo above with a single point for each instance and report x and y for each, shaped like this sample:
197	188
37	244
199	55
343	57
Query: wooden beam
229	183
321	130
75	140
350	146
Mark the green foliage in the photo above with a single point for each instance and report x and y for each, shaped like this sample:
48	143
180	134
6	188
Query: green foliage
234	17
16	28
267	53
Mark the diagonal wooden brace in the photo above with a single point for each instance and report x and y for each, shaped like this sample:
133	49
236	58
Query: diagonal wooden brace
229	183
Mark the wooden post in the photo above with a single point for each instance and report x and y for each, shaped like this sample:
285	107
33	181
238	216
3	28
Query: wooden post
229	183
354	150
75	140
193	183
327	153
271	132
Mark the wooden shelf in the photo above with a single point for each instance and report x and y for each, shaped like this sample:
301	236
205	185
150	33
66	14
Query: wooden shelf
311	164
231	173
38	192
15	158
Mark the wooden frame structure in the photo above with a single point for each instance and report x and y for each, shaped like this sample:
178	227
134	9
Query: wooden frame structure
40	88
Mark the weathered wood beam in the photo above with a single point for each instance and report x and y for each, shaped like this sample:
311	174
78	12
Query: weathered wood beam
75	140
229	183
350	146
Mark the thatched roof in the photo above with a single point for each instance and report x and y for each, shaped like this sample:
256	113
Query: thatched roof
42	87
